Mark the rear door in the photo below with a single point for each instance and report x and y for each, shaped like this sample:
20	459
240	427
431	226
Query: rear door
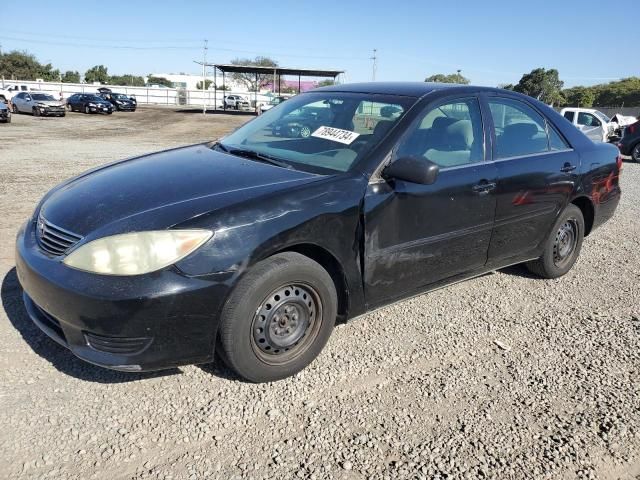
417	235
537	173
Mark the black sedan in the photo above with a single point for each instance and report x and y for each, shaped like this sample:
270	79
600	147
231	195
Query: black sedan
302	122
120	101
629	144
88	103
253	246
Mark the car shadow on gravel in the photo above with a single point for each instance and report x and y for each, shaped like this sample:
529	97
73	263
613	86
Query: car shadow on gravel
519	270
61	358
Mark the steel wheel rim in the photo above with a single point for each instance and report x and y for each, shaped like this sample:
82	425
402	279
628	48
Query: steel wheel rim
305	132
286	323
565	242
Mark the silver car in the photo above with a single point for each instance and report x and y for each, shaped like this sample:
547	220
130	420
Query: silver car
37	103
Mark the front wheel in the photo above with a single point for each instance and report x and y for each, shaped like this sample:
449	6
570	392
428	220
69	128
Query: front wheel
87	109
35	112
69	107
278	318
635	153
563	245
15	109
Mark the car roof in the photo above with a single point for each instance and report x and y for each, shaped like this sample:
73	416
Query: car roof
410	89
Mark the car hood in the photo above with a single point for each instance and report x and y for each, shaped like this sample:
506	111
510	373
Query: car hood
50	103
161	190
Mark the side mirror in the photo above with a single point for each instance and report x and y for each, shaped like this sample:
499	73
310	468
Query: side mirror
413	169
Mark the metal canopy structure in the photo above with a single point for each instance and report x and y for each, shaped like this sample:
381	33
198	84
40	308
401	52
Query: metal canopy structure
277	73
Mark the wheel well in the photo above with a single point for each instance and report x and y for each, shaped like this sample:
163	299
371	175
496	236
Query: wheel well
586	207
332	266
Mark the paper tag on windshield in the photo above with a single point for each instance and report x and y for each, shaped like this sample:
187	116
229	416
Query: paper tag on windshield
336	134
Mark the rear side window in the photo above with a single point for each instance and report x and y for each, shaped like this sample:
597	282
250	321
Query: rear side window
519	129
556	142
569	116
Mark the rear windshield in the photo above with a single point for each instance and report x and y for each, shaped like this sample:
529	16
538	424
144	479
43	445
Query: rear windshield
323	132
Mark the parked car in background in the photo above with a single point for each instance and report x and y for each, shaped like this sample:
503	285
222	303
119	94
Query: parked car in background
272	103
88	103
236	102
38	104
5	113
302	122
120	101
252	248
629	144
593	123
12	89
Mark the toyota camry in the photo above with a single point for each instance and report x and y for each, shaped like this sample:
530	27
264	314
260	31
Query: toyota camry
253	246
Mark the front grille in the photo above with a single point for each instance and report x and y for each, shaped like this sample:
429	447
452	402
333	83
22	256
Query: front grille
53	239
117	345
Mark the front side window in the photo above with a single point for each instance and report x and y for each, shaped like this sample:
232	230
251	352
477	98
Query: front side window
322	132
448	135
587	120
519	129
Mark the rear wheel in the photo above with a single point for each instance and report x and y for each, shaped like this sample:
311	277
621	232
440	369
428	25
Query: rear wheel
278	318
635	153
563	245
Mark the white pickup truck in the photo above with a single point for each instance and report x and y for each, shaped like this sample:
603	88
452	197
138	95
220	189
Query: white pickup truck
10	89
593	123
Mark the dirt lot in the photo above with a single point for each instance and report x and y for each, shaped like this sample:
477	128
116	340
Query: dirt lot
420	389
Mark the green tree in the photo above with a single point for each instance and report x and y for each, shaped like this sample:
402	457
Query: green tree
207	84
70	76
97	73
545	85
127	79
451	78
326	83
159	81
249	79
621	92
24	66
579	96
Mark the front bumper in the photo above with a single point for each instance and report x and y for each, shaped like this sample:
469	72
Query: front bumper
101	109
52	111
146	322
4	115
125	108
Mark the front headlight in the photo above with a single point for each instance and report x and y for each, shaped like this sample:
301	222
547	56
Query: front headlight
92	104
119	102
41	105
136	253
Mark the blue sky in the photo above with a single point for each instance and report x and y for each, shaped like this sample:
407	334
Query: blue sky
492	42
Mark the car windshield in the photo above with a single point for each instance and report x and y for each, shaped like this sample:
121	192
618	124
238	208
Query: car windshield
322	132
94	98
119	96
602	116
276	101
41	96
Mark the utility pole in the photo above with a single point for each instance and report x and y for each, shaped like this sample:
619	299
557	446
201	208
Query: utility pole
204	76
375	64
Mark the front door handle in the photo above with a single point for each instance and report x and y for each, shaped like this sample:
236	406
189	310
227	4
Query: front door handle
483	187
567	167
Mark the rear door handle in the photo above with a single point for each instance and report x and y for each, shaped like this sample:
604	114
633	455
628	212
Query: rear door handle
483	187
567	167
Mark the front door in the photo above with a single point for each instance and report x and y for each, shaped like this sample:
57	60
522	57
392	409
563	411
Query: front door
417	235
537	173
591	126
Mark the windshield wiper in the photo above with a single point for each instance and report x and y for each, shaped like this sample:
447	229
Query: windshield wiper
252	154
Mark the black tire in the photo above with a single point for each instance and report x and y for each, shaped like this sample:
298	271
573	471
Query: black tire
86	109
35	112
14	109
8	120
69	107
295	300
562	246
635	153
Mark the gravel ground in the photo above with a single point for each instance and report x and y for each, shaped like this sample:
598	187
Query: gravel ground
504	376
